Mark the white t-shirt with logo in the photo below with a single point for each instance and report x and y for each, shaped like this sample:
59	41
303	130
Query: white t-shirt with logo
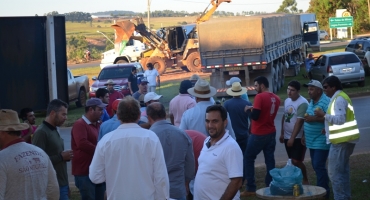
292	111
217	164
151	76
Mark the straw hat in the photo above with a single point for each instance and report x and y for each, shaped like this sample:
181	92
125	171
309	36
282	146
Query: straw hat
236	90
202	89
110	82
9	121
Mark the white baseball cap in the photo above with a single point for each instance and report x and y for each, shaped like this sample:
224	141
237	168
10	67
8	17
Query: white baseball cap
151	96
233	80
314	83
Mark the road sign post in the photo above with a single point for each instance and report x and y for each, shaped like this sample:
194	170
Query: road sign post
341	22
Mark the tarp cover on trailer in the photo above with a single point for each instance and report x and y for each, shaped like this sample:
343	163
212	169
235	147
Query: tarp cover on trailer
252	32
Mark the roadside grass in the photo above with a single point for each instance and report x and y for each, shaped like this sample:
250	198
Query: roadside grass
360	178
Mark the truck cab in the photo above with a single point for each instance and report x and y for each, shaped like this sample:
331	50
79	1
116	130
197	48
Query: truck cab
310	30
130	53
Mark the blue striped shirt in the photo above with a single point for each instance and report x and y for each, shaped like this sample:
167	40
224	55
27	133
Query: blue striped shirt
312	130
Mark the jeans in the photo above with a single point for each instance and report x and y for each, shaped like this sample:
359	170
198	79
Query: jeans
64	190
338	168
89	190
256	144
243	146
318	159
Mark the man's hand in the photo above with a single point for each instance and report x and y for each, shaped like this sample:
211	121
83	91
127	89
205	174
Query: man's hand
246	108
67	155
319	113
281	138
303	140
309	118
290	142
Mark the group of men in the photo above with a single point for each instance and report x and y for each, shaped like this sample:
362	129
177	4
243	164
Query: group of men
206	151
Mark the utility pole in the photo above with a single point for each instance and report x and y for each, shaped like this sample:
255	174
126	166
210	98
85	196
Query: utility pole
149	14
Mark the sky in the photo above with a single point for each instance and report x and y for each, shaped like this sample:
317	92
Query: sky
40	7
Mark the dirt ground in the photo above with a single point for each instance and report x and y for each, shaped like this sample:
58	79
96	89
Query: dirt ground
178	74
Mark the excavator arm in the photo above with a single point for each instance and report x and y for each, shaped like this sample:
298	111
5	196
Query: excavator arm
208	13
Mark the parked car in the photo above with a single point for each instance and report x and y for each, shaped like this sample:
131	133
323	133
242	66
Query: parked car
345	65
77	88
361	47
324	35
119	73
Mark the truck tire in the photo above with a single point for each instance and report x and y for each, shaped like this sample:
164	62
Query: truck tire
81	101
121	61
282	74
143	62
158	63
193	62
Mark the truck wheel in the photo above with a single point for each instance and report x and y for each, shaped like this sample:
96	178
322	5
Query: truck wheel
143	62
81	101
121	61
193	62
158	63
273	80
282	75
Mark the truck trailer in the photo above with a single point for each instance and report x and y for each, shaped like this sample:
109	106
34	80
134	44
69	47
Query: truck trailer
248	47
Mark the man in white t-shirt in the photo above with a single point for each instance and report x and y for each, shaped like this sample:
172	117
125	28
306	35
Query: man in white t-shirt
152	76
295	107
220	170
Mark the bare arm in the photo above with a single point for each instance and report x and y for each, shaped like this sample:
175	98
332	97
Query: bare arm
232	188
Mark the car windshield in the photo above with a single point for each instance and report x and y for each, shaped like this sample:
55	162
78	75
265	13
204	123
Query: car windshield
114	73
342	59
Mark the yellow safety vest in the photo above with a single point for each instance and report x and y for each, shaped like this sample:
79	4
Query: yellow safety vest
347	131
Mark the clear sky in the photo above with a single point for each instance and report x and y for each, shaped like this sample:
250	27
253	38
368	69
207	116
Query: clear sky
40	7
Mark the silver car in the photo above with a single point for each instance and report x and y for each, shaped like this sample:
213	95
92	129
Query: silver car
324	35
345	65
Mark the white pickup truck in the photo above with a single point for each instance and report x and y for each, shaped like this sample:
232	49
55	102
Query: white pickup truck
130	53
77	88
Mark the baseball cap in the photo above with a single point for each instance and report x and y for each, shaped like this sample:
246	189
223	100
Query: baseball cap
142	80
314	83
151	96
115	104
233	80
95	102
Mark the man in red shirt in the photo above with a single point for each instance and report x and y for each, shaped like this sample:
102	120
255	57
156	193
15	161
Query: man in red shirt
263	133
113	95
84	138
28	116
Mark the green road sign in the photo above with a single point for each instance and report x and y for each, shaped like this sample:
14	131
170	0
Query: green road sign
340	22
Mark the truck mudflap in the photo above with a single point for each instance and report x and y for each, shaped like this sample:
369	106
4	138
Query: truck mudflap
221	92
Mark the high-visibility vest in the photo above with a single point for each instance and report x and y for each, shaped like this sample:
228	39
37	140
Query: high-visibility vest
347	131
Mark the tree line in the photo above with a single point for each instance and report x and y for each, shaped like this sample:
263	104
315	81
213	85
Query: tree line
324	9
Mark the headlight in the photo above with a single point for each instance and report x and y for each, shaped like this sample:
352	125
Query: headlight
93	89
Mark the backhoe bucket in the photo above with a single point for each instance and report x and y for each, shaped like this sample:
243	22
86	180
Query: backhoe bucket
124	30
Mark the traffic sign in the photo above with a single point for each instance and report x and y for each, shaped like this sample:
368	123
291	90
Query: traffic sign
340	22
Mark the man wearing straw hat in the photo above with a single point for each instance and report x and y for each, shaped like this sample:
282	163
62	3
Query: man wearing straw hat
25	170
235	107
194	118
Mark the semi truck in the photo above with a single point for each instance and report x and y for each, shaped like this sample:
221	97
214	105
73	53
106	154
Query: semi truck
251	46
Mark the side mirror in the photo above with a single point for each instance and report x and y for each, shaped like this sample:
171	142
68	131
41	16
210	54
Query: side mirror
94	78
305	27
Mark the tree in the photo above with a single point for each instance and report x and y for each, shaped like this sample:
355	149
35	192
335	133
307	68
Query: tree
288	6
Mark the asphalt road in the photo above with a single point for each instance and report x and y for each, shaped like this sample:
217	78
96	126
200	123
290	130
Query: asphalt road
83	65
362	108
